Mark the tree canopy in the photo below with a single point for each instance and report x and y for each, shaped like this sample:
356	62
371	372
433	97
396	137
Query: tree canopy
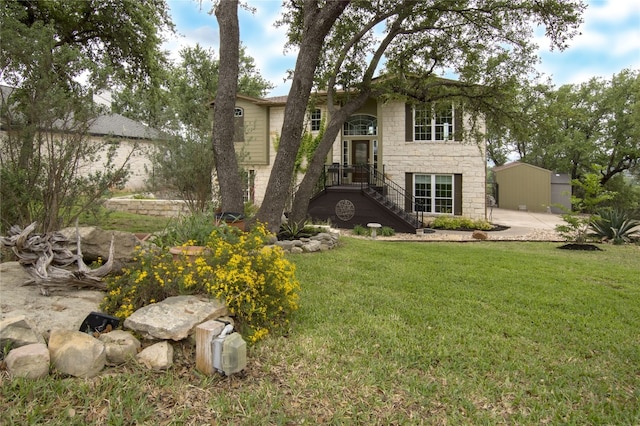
487	44
573	127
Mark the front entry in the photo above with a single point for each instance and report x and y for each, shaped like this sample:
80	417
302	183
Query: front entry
359	158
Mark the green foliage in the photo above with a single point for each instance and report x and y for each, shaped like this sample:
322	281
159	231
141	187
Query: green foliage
292	230
454	223
615	226
47	48
387	231
360	230
184	162
255	281
578	220
194	229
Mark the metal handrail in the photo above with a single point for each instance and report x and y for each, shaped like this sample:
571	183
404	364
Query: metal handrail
394	195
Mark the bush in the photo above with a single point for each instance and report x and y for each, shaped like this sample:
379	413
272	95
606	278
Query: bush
385	231
615	225
255	281
360	230
456	223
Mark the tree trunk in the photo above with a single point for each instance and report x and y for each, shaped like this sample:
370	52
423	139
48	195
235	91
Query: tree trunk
317	24
226	162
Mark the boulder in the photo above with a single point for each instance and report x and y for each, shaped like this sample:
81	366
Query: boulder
16	331
479	235
120	346
30	361
174	318
96	242
76	353
64	309
157	357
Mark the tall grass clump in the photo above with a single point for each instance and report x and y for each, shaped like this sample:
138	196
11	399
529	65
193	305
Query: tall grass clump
254	280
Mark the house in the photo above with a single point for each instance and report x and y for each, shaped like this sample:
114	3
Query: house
131	139
522	186
393	163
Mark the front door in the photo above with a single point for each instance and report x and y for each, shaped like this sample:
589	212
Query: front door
360	158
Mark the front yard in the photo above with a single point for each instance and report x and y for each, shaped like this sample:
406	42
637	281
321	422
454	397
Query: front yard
403	333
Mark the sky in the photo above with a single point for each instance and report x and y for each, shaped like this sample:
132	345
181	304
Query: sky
609	40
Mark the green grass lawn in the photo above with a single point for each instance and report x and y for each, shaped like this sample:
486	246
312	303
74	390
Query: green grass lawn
403	333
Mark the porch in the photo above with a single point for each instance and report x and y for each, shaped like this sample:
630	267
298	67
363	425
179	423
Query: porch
352	194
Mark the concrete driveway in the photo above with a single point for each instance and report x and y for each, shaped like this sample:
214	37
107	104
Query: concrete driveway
523	223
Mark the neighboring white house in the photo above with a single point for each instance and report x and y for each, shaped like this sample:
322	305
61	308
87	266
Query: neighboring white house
133	141
419	148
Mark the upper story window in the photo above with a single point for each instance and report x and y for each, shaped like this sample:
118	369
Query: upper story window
238	124
433	122
361	125
316	119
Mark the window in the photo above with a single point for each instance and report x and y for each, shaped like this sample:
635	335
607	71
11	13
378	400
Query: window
238	124
433	193
360	125
316	118
249	186
433	122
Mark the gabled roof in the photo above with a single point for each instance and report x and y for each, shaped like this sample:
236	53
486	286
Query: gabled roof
517	164
109	124
119	125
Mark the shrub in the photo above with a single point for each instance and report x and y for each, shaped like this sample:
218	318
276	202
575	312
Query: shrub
294	231
196	228
360	230
456	223
255	281
387	231
614	225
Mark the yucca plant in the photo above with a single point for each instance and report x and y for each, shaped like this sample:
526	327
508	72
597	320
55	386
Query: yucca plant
615	225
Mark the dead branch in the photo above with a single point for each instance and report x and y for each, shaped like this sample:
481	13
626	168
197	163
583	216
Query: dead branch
47	259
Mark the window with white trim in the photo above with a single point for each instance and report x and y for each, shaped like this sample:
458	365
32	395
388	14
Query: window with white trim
238	112
316	120
433	122
433	193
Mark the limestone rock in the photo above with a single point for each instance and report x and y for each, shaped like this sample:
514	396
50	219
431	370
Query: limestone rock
16	331
158	356
30	361
120	346
174	318
77	354
96	242
479	235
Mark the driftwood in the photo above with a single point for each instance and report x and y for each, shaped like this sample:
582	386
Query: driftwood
48	260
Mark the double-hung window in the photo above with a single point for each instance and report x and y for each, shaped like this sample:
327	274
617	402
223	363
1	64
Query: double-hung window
433	122
433	193
316	120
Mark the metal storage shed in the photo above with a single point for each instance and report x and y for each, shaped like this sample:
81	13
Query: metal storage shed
521	186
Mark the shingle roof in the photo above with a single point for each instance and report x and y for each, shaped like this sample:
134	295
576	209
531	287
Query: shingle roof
110	124
119	125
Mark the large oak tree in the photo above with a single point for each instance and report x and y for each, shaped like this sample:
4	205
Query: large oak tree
487	44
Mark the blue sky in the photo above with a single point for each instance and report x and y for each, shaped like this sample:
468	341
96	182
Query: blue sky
609	41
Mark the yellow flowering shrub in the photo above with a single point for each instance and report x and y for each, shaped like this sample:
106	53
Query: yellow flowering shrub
255	280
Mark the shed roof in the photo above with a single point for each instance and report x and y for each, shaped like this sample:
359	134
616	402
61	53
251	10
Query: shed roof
517	164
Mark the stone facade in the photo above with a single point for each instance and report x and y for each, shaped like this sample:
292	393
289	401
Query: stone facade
395	155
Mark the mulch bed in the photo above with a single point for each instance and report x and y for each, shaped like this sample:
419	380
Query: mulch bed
584	247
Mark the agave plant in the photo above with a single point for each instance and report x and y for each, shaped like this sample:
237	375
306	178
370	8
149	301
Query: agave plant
615	225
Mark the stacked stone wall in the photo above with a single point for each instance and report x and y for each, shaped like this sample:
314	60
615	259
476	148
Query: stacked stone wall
149	207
